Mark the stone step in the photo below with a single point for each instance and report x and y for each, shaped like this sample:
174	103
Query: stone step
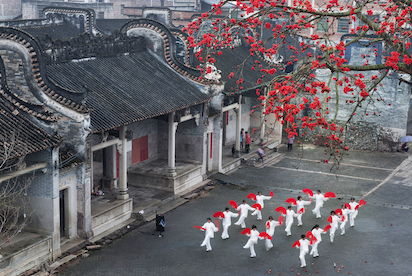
56	265
270	160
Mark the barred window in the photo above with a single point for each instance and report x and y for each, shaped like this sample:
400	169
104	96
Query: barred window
343	25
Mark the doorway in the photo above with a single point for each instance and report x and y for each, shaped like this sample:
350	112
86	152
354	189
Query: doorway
63	200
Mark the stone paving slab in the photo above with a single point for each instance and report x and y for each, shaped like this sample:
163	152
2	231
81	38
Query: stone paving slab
380	237
388	160
295	180
394	191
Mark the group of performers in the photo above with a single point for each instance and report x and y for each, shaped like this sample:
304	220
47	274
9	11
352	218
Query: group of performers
348	211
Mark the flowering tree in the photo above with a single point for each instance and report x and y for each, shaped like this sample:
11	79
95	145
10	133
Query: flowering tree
311	34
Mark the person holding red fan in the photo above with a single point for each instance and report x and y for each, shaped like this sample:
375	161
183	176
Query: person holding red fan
210	229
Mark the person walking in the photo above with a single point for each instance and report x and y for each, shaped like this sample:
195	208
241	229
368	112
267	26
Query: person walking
316	232
227	221
247	142
261	154
319	200
253	239
210	229
241	138
290	214
303	245
290	142
243	208
300	204
259	199
271	224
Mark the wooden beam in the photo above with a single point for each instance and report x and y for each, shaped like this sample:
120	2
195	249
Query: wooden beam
23	171
106	144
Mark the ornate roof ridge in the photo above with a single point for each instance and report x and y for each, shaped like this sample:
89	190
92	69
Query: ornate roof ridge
90	16
35	110
169	48
38	69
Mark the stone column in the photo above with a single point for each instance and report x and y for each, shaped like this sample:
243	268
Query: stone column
55	204
123	165
238	126
171	149
262	117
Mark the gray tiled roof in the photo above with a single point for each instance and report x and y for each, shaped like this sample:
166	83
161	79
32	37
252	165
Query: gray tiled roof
127	88
55	31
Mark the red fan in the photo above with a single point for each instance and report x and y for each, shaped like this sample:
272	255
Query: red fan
199	227
233	204
271	193
219	214
280	220
343	218
217	224
291	201
245	231
257	206
329	194
357	207
251	196
308	192
347	205
338	212
301	211
309	234
327	227
313	240
265	235
281	210
297	243
267	225
330	219
362	202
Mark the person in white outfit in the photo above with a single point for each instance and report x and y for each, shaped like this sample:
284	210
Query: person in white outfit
334	225
244	208
253	239
353	212
259	199
290	214
227	221
344	219
317	232
304	249
209	233
300	203
319	200
270	229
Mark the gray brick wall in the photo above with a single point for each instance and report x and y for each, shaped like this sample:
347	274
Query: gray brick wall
42	185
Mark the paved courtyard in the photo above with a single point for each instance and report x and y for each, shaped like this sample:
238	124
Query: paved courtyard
379	244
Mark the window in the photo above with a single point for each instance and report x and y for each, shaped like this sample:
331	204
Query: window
100	15
323	24
121	9
343	25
